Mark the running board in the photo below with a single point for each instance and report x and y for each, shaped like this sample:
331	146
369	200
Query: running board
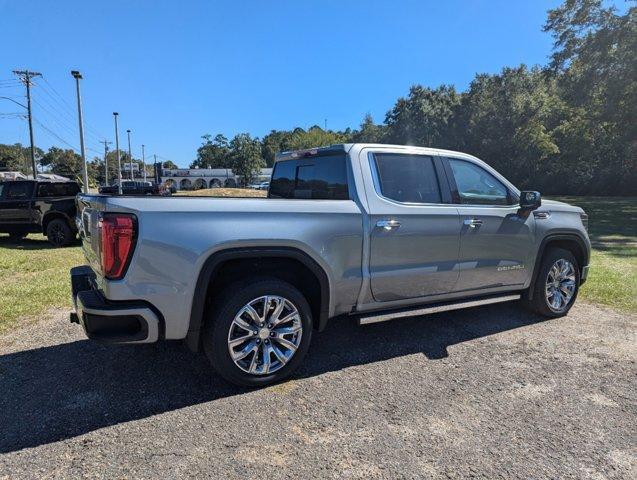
434	308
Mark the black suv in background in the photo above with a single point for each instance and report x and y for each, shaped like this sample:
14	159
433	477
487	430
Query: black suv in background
130	187
48	207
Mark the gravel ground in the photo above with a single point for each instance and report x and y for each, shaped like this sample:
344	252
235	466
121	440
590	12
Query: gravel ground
489	393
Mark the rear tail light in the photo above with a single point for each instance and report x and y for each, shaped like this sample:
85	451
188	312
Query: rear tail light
118	232
584	218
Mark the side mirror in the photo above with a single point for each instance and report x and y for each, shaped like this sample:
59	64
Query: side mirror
530	200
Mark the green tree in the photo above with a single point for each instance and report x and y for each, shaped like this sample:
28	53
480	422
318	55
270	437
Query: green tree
17	158
65	162
315	137
369	131
423	118
169	164
246	157
595	62
213	152
274	142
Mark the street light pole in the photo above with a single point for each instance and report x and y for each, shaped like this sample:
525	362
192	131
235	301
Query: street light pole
78	76
130	156
119	163
144	161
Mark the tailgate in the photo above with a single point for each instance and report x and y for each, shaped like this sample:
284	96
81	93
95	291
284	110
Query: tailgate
88	213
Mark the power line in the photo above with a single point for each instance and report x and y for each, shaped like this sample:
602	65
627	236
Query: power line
88	126
51	132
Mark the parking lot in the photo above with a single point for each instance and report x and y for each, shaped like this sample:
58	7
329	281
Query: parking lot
489	393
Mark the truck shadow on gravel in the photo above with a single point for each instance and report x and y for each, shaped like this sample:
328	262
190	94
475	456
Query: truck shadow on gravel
62	391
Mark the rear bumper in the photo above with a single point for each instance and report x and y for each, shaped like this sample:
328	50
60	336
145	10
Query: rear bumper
108	321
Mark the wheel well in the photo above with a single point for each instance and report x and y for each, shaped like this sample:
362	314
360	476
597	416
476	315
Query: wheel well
572	246
287	264
49	217
571	243
287	269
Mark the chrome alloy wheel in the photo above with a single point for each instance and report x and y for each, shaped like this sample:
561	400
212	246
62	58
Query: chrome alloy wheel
265	335
560	285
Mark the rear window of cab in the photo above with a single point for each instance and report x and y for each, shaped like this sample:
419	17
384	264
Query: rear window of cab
314	178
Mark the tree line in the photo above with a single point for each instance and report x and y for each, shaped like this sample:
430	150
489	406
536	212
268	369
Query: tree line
568	127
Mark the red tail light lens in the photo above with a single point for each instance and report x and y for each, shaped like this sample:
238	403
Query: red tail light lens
117	241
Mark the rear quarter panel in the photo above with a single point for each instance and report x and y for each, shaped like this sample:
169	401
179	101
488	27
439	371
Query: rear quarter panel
177	235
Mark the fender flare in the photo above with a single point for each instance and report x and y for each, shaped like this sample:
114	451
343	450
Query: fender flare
215	260
540	253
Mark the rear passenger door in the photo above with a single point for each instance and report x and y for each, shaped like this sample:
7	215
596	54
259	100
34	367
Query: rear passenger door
497	240
415	230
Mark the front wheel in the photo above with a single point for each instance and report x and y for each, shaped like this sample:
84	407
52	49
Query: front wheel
258	334
557	284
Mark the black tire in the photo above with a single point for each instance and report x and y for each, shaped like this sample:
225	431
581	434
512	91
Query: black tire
59	233
17	236
220	319
540	303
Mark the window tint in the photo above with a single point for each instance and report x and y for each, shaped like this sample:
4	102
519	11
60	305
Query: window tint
317	178
19	190
69	189
1	189
407	178
476	186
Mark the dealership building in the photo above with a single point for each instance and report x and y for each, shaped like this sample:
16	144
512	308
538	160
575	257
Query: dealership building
198	178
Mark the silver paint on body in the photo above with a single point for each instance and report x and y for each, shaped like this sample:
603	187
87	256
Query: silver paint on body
378	254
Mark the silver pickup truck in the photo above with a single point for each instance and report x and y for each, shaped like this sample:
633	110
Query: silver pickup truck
374	232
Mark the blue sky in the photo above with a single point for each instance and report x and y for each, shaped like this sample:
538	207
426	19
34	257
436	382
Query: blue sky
177	70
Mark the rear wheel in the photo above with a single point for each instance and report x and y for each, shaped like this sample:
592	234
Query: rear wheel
258	334
59	233
557	284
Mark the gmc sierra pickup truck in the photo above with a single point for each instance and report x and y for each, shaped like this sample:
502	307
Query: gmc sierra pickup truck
374	232
42	206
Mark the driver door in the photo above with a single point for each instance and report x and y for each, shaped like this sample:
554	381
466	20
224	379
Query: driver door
497	239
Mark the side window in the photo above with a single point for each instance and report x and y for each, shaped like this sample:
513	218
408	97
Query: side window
317	178
1	189
45	190
476	186
407	178
19	190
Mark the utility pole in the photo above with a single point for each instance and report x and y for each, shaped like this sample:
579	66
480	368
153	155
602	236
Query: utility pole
106	144
26	76
144	161
130	156
156	170
78	76
119	163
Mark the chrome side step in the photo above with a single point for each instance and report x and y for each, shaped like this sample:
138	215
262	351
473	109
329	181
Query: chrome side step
435	308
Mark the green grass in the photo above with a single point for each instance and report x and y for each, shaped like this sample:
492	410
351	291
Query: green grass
612	279
35	277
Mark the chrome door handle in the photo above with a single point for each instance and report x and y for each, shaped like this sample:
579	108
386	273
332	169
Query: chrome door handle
472	222
388	224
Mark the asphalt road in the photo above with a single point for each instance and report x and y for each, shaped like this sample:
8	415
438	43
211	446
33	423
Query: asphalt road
488	393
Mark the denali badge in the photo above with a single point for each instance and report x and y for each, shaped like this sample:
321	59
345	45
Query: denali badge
519	266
